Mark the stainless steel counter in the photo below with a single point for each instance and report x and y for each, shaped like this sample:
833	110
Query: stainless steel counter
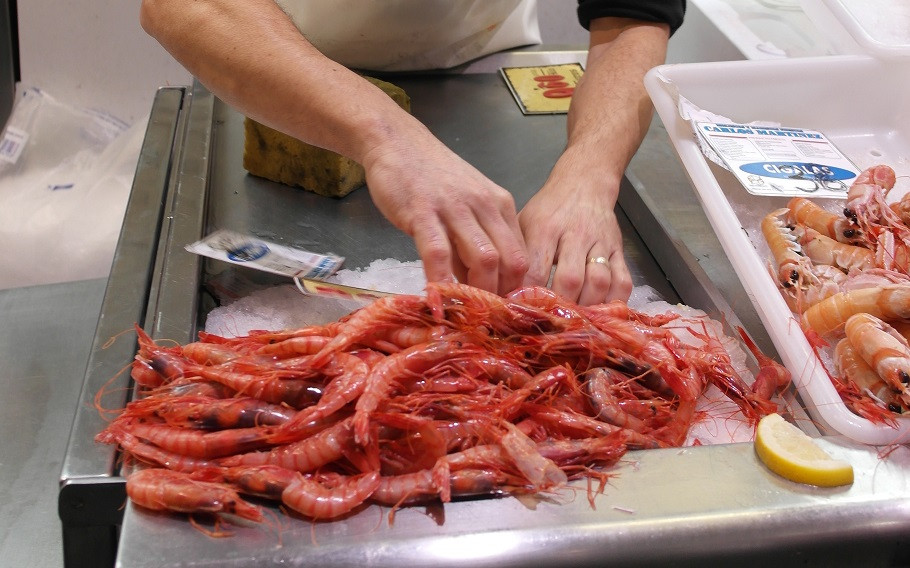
703	504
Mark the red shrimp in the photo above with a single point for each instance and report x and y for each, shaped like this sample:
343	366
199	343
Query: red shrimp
197	444
459	434
414	487
256	338
147	453
582	349
368	356
165	490
543	298
509	407
472	482
600	450
493	369
209	353
384	376
537	296
712	360
381	315
398	338
350	376
144	375
267	481
772	376
168	363
631	335
318	500
207	413
191	386
675	431
539	470
294	346
305	455
417	445
297	393
468	307
561	424
445	380
482	456
652	345
614	309
605	403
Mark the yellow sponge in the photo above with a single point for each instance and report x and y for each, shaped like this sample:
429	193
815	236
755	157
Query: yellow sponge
276	156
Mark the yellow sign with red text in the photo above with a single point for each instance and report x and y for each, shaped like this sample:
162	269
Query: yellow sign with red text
543	90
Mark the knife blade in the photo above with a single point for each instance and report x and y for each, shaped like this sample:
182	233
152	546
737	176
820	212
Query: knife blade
339	291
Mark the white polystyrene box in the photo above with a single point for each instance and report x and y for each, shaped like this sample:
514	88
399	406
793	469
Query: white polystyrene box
859	103
880	28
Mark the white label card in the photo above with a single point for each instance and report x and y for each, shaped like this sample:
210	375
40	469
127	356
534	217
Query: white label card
778	161
245	250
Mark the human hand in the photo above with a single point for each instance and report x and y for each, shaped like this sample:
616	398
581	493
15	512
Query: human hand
568	223
463	224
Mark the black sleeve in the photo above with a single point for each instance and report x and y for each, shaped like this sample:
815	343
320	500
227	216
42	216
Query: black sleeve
667	11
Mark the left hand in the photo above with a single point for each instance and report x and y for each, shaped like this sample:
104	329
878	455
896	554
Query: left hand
567	223
571	220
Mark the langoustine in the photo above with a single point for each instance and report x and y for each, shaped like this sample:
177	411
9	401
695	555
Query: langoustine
832	268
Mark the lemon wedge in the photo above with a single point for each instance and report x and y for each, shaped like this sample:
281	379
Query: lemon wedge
790	453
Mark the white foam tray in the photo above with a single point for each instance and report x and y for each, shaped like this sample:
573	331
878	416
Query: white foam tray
880	28
857	101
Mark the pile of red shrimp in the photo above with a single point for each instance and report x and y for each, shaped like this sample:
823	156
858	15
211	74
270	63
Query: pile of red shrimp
413	399
848	275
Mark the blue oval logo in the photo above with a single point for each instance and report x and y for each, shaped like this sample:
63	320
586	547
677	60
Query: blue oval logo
248	252
797	170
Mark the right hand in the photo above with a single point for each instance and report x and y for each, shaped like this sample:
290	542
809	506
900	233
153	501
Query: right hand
464	225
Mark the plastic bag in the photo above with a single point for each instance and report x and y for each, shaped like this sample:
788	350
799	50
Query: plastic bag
65	178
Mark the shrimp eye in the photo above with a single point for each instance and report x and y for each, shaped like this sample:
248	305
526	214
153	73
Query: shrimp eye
896	408
849	233
794	276
905	378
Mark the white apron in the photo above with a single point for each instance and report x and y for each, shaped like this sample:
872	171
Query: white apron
411	35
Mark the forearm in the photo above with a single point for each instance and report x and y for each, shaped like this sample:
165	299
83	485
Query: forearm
611	112
252	56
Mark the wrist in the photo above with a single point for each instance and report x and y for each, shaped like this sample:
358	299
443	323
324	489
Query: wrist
389	131
591	165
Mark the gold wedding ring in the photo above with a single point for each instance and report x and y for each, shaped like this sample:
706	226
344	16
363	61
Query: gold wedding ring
599	260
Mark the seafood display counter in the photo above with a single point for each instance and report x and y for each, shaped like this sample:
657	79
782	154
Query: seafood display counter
688	505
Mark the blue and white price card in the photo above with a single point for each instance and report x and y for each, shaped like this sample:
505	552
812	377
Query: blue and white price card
252	252
778	161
